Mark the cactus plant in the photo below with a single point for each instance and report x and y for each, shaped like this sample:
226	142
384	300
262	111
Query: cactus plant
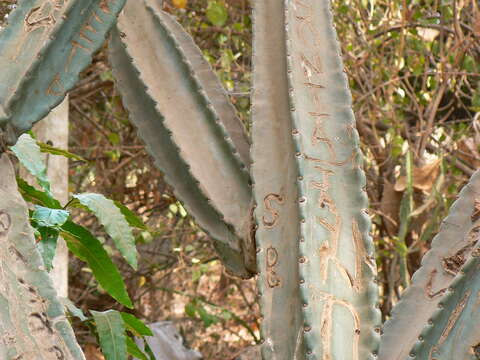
309	238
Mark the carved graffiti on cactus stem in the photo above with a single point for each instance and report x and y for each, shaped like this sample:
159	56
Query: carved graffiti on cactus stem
40	16
327	321
453	263
476	210
267	201
5	222
309	36
56	87
453	318
273	280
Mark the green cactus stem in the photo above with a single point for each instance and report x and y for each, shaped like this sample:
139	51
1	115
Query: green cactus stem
33	325
451	248
190	129
328	233
453	330
337	263
274	171
42	51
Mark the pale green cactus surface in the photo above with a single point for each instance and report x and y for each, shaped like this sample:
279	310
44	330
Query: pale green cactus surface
33	325
42	51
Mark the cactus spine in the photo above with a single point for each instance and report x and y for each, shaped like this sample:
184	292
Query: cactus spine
32	322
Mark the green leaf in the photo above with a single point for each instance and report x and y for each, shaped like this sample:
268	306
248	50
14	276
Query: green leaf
114	222
88	248
49	149
72	309
32	195
48	245
136	326
132	219
217	13
134	350
46	217
111	332
29	154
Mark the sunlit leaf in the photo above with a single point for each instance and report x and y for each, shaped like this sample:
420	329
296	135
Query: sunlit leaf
114	222
217	13
111	332
88	248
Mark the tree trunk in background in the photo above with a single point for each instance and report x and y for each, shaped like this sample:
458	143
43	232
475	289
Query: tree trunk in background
53	130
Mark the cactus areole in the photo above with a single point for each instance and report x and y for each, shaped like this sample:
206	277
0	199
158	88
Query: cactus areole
292	207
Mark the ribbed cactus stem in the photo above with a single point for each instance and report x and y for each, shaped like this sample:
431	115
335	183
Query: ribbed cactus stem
274	172
312	216
336	264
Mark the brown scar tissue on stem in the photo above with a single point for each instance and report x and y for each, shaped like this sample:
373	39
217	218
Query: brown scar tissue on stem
453	263
476	210
453	318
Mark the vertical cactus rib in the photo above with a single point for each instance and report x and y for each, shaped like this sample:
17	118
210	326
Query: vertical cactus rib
274	172
336	264
32	322
451	248
453	331
42	51
179	125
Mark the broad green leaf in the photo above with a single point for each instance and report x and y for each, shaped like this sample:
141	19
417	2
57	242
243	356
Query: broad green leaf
29	154
114	222
136	326
49	149
46	217
48	245
134	350
72	309
111	332
88	248
30	194
132	219
217	13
